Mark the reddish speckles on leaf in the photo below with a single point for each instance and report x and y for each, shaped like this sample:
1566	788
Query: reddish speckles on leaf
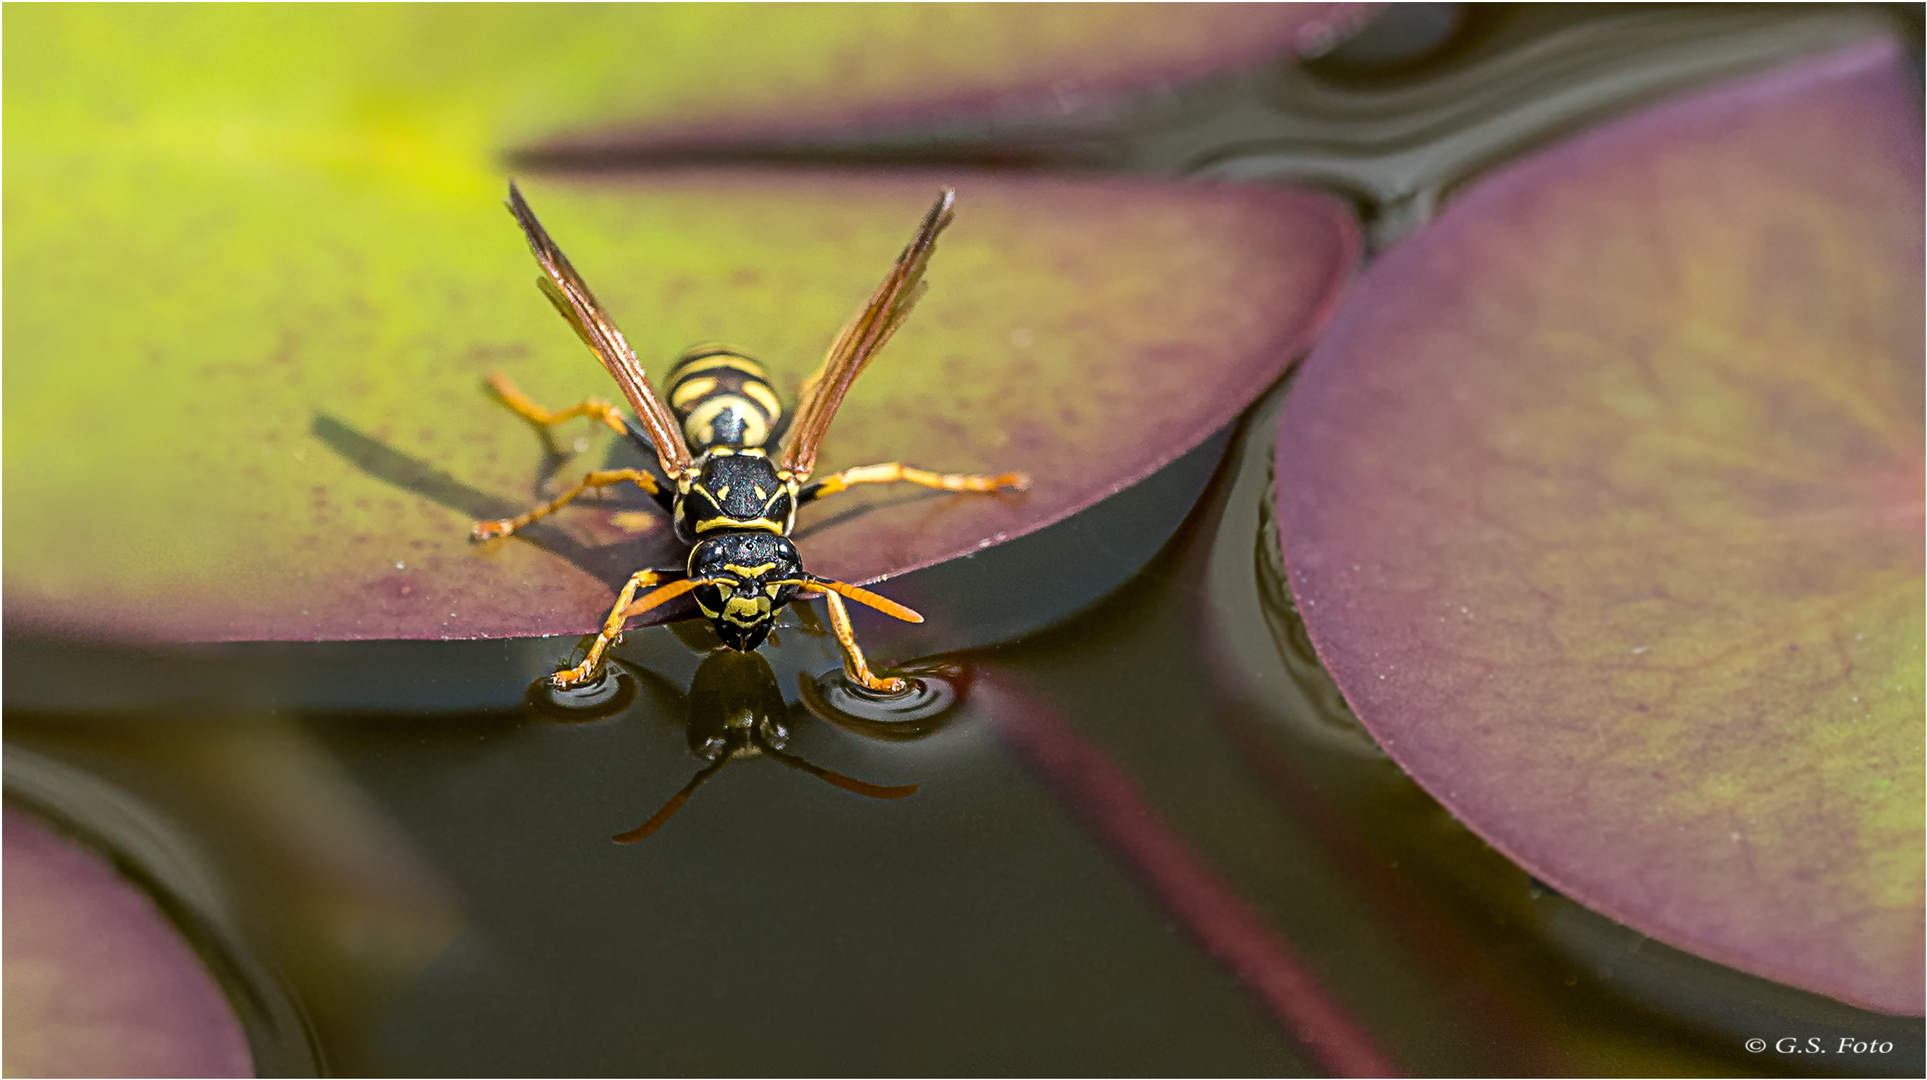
1153	350
1601	502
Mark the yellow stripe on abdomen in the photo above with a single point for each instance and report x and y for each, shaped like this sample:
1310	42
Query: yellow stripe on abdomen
705	358
726	419
723	398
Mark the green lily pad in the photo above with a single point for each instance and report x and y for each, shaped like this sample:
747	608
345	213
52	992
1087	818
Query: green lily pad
489	77
1602	502
98	982
259	268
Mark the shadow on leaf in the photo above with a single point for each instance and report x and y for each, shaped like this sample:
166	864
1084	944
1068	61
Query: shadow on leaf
612	564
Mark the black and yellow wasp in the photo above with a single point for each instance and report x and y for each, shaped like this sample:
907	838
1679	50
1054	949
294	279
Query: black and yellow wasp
730	502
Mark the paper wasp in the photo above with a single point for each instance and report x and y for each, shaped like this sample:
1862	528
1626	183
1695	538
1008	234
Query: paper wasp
730	502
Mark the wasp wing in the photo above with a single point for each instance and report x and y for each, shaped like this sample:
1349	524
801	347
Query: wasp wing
860	341
572	298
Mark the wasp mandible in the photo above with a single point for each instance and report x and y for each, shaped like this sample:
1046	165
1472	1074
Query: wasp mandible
731	504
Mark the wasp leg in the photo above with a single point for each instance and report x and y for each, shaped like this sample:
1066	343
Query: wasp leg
892	471
611	628
514	398
607	414
489	530
854	665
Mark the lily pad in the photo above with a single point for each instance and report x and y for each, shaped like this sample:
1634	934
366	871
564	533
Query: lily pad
98	983
900	66
313	438
251	310
1602	503
490	77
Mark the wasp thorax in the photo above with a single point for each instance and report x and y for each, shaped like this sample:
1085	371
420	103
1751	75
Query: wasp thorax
735	490
751	576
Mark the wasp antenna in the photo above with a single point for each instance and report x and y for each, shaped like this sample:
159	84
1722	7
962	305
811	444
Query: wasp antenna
656	820
667	593
866	598
860	787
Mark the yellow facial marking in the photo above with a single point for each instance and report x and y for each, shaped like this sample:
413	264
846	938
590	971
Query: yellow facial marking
721	493
760	493
746	610
749	571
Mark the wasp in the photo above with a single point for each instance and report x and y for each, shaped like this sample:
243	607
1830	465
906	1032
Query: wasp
736	711
731	502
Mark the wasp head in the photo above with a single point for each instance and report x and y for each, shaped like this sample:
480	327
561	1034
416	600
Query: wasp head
750	577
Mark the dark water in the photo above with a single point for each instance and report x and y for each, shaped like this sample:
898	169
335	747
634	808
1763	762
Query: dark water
437	893
399	867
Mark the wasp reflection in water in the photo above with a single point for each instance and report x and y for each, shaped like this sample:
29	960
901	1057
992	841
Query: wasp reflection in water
735	709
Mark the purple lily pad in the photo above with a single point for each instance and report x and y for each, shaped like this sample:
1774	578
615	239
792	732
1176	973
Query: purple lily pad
1601	501
98	983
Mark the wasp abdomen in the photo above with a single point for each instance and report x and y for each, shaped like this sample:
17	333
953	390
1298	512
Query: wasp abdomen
723	398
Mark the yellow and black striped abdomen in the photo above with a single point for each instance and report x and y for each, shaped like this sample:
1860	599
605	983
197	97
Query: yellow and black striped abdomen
723	398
